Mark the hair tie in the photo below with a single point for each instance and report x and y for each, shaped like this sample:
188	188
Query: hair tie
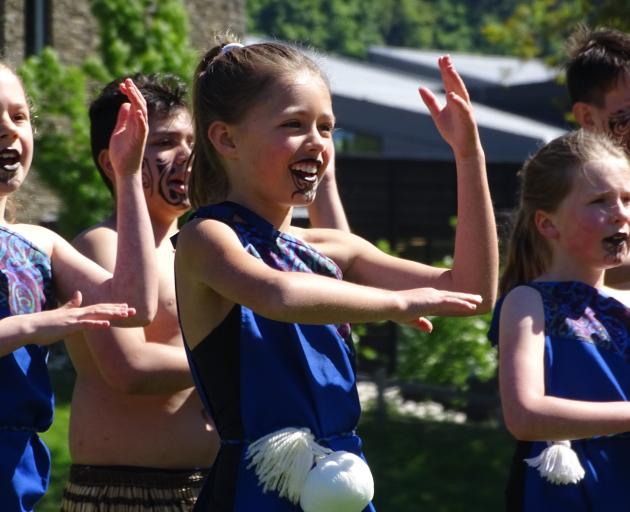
229	47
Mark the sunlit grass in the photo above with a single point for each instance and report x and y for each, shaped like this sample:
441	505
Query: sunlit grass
417	464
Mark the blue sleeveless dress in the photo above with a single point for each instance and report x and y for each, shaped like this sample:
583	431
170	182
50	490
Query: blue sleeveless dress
587	357
26	398
258	375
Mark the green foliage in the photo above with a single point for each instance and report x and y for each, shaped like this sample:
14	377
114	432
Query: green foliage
539	28
62	140
350	26
455	351
342	26
136	35
147	35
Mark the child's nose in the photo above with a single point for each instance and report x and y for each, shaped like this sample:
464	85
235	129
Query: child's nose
316	141
622	212
7	129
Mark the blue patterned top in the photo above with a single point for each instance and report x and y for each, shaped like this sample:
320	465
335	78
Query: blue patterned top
586	357
26	398
25	287
257	375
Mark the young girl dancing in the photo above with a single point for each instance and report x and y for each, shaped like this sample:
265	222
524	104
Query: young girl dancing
262	304
37	267
563	336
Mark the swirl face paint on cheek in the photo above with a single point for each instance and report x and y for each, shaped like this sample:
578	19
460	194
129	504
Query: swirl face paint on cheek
619	128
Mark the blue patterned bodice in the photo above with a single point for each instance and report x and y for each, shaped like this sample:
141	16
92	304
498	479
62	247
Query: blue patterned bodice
25	287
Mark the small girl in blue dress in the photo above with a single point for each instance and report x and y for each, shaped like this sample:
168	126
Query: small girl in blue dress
38	267
264	306
564	337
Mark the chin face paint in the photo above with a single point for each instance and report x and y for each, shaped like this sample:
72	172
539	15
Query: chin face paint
165	179
171	184
305	179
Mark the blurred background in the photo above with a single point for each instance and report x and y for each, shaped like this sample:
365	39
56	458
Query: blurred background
432	427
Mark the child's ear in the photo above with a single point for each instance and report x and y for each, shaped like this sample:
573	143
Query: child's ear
220	135
105	164
584	116
545	225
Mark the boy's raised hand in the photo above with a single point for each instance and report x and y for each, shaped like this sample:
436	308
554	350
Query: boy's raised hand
455	120
127	143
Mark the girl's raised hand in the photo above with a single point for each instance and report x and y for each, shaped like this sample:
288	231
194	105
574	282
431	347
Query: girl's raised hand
127	143
49	326
455	120
430	301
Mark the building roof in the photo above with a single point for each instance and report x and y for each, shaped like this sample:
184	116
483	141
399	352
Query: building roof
475	69
373	99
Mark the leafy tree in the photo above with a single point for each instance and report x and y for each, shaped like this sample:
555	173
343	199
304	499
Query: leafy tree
539	28
136	35
346	26
350	26
62	140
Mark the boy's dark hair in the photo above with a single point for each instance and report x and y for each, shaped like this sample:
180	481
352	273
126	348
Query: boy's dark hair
164	94
597	60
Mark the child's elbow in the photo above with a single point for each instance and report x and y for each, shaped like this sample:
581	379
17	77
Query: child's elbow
518	423
126	379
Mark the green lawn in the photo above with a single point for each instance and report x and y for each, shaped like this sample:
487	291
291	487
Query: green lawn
417	465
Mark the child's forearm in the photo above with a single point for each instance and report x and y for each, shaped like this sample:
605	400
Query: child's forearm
134	280
549	418
476	257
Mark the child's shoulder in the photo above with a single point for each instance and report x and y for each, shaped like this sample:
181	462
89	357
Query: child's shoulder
40	237
524	299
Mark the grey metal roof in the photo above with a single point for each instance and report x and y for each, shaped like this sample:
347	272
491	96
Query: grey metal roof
489	69
373	99
370	86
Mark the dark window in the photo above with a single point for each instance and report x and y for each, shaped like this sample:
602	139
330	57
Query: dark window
37	26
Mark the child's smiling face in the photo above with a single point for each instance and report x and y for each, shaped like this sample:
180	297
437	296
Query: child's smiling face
16	134
284	143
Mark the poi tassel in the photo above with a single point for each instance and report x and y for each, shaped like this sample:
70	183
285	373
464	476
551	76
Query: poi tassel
299	469
283	460
558	463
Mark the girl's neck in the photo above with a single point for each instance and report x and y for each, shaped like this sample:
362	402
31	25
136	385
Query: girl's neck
592	277
3	207
277	215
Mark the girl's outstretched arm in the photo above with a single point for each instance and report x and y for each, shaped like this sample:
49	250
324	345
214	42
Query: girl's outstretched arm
134	278
529	414
50	326
476	259
213	269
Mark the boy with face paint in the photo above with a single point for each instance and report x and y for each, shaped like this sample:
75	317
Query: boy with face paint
598	82
137	431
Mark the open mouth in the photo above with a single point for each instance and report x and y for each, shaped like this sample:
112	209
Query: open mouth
9	160
616	243
305	173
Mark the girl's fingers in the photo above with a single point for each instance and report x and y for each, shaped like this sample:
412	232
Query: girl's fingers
422	323
430	101
95	324
452	81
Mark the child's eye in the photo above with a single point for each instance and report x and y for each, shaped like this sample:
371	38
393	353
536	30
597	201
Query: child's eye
20	116
291	124
327	128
